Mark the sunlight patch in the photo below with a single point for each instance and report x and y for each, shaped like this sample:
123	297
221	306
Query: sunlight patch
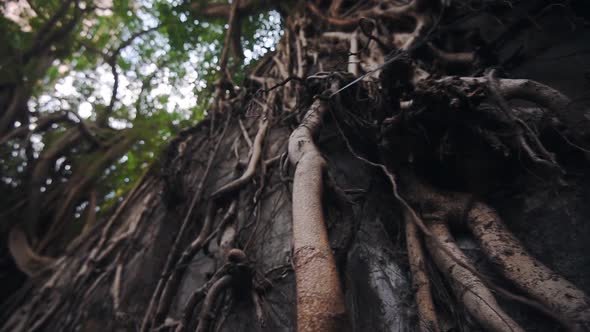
85	110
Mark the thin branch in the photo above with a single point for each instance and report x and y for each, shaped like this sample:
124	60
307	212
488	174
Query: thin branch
45	37
41	124
245	134
109	109
84	129
228	37
130	40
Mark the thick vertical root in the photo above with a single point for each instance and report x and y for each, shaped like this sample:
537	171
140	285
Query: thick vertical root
254	160
570	304
420	281
469	289
320	301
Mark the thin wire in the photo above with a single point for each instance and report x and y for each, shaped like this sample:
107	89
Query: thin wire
396	54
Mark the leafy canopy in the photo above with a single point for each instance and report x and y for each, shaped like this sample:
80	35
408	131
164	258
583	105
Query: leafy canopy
163	77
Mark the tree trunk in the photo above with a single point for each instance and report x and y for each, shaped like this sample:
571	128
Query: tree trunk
282	211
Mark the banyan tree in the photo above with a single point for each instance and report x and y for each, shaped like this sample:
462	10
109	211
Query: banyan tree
390	166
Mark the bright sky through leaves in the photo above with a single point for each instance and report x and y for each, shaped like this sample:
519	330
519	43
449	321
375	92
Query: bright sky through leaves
163	76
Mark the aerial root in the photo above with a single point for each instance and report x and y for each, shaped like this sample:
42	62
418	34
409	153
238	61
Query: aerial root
560	106
155	302
230	275
170	281
195	298
525	139
173	281
469	289
198	295
506	252
256	299
214	293
548	292
428	321
388	11
254	160
320	300
442	207
468	284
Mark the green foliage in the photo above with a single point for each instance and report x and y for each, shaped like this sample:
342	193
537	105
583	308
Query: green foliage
164	77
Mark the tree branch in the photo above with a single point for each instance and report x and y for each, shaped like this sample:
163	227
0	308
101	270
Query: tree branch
222	10
232	21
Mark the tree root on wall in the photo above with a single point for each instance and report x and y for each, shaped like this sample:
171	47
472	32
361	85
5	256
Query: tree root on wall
320	301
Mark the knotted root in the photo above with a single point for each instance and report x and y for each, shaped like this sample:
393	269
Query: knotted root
552	294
